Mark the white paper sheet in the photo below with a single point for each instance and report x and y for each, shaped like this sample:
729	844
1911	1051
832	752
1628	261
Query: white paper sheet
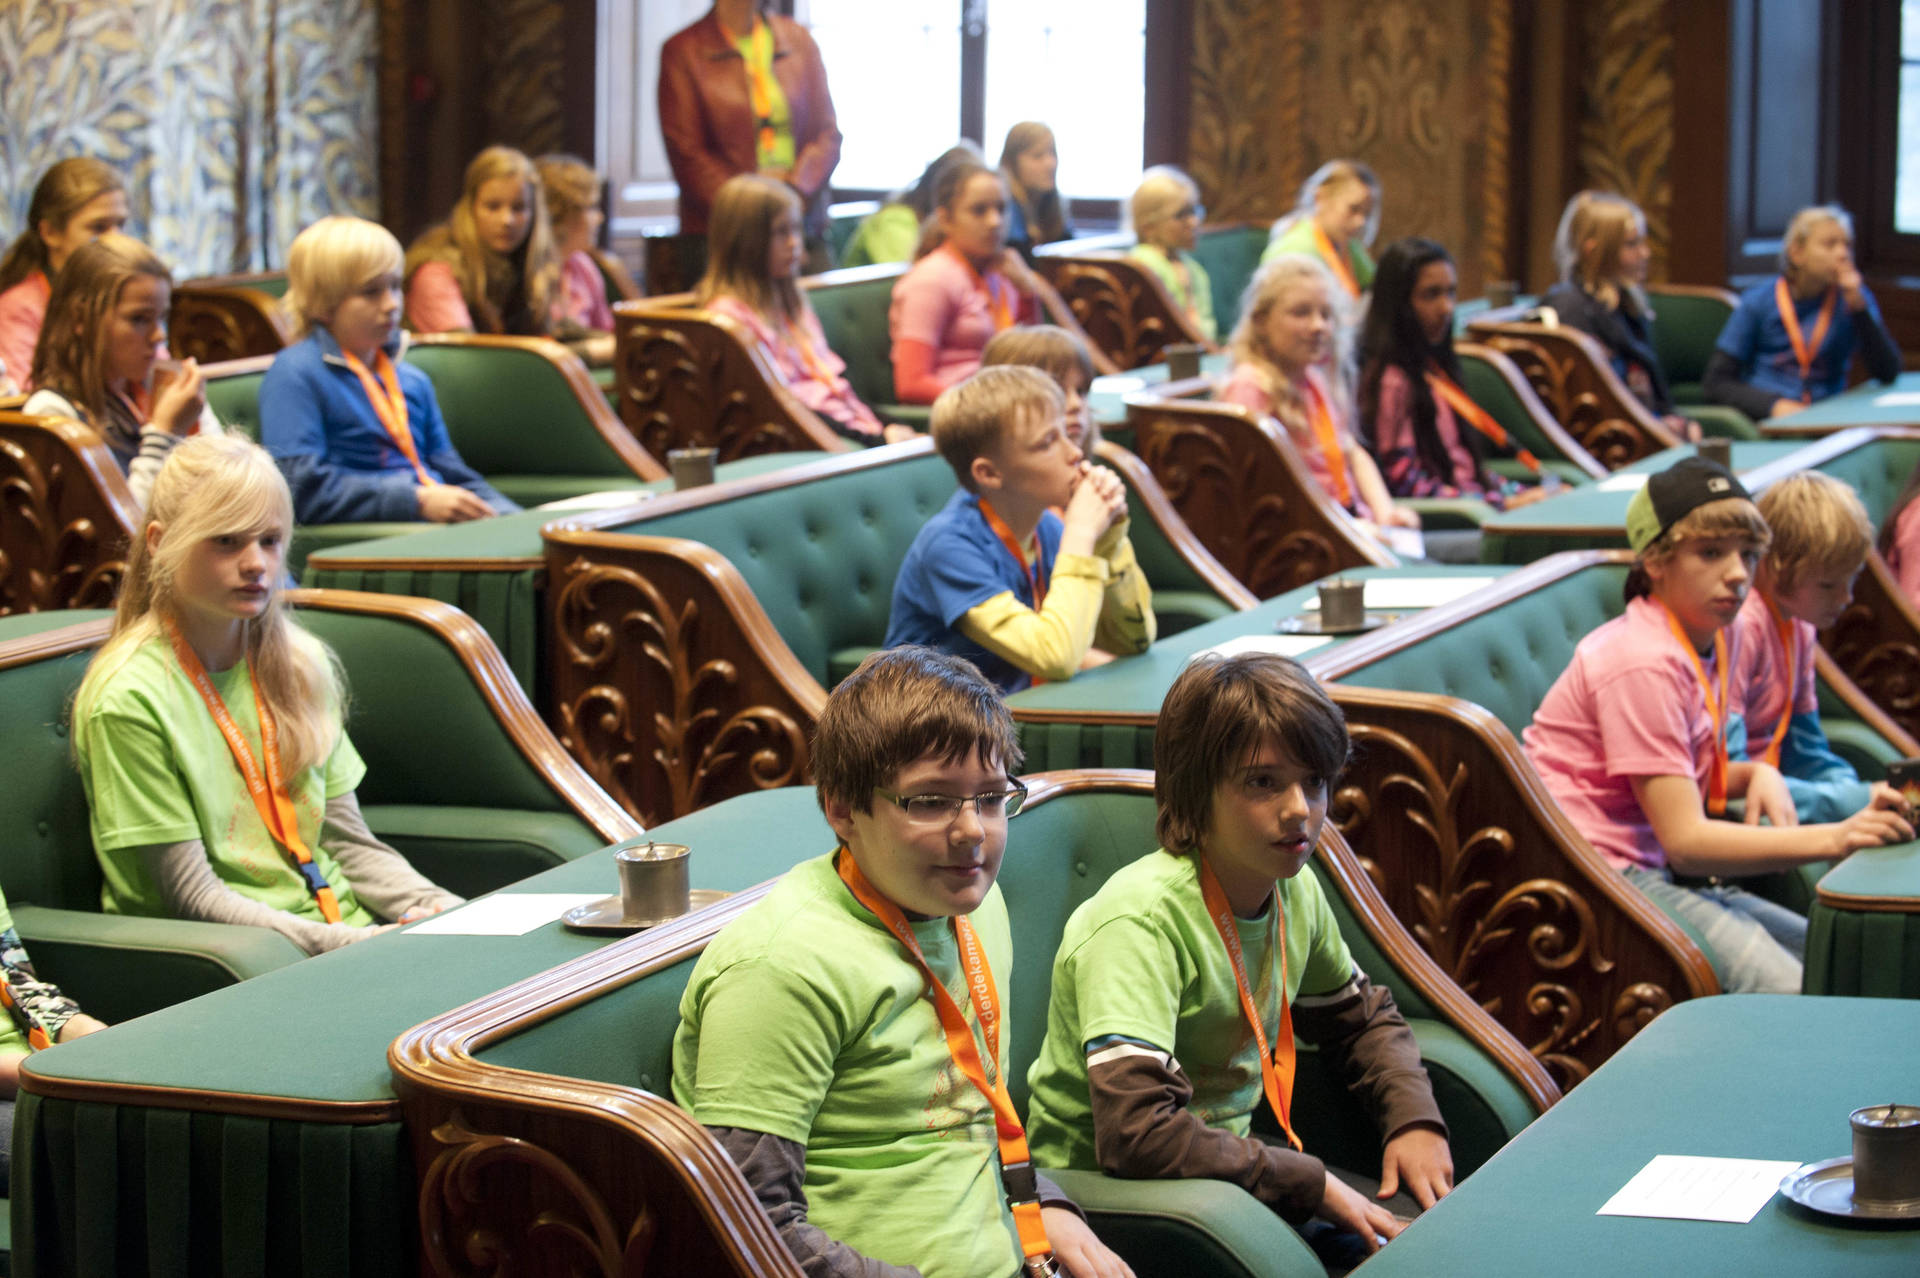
1408	543
598	501
1284	645
503	914
1629	483
1116	384
1686	1187
1391	594
1897	399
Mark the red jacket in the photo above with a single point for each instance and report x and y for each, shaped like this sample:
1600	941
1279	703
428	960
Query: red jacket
707	118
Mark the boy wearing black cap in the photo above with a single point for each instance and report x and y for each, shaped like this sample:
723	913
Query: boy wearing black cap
1632	738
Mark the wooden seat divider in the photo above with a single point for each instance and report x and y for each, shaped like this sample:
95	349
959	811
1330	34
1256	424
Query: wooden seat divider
1570	373
1124	308
225	317
66	516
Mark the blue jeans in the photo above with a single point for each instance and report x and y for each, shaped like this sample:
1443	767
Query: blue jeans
1755	946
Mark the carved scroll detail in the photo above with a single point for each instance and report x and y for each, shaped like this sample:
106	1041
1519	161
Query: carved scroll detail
55	549
684	383
461	1230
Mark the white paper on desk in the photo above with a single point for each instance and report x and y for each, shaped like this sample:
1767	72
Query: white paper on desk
1685	1187
1414	592
1116	384
598	501
1280	645
1408	543
1897	399
1628	483
503	914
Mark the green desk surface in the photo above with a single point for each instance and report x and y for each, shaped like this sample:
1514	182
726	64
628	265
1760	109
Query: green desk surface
1108	399
1856	407
120	1186
1869	943
1592	516
1737	1076
19	625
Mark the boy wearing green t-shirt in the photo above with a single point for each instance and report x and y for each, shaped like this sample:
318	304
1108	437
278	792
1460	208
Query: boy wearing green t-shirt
832	1037
1230	952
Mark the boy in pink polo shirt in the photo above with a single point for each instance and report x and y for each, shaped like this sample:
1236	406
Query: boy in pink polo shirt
1632	738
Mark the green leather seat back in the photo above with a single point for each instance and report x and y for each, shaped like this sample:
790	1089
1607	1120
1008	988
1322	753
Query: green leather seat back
1229	255
273	284
1487	388
1684	331
236	402
821	556
1506	659
853	315
1878	472
511	412
46	846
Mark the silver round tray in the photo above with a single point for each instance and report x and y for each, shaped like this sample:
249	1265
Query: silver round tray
607	914
1827	1187
1309	623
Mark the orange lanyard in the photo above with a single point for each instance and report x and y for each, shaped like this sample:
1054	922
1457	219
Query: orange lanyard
1336	260
1320	413
37	1037
270	796
1007	539
1716	709
999	302
1789	640
1277	1063
1477	417
1016	1166
389	405
817	370
1804	350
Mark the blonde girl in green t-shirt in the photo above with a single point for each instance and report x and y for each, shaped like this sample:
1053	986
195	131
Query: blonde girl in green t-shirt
208	728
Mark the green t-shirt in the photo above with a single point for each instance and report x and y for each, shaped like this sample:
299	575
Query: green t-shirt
1195	294
1150	923
157	770
756	48
12	1041
890	233
805	1019
1299	238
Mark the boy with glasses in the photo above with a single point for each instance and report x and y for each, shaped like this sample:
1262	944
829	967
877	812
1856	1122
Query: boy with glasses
844	1039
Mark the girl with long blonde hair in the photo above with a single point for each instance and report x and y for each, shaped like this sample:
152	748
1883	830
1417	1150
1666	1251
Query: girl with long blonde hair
490	267
209	728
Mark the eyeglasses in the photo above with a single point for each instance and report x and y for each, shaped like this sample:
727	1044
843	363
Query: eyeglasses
1196	211
944	809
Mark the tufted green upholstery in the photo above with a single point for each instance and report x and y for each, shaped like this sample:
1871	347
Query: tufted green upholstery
1229	254
1878	471
1685	327
1487	388
1059	853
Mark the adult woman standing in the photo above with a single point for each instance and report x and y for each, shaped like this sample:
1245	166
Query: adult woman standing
746	92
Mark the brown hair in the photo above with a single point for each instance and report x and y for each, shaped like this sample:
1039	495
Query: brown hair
1045	211
1055	351
1726	517
58	197
970	418
900	706
740	241
1819	527
490	281
70	357
946	193
570	185
1217	714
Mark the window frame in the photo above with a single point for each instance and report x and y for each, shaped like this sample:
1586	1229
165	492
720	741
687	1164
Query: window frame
1868	177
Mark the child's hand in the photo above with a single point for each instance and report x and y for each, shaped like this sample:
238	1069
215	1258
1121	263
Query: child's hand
1888	799
1767	796
1870	827
1077	1250
895	433
1685	427
451	504
179	396
79	1026
1399	516
1781	407
1850	291
1347	1208
1099	501
1527	496
1420	1158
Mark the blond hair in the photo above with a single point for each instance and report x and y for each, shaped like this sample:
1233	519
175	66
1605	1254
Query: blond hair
970	418
1819	526
489	280
1335	173
331	260
740	242
1162	192
1248	345
1803	225
1593	228
71	355
571	185
58	197
1054	351
211	486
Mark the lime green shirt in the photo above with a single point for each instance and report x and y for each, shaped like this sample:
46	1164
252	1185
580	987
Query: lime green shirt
157	770
12	1041
1178	995
757	49
1299	238
805	1019
1192	293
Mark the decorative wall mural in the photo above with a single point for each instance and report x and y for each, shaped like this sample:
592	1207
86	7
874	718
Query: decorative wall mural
525	54
1626	118
235	122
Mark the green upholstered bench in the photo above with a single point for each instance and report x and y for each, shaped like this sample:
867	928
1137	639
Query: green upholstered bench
69	516
1687	319
505	804
852	305
1496	384
1229	252
226	317
692	641
574	1066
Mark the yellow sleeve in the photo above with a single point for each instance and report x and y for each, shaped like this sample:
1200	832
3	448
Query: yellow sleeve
1127	624
1049	643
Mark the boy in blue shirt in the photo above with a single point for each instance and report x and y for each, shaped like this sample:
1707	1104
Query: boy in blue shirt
998	575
